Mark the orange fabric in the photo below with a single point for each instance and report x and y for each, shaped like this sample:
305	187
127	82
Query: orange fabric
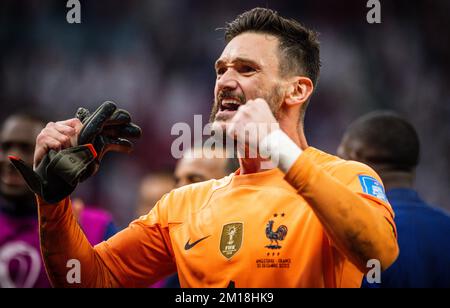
197	216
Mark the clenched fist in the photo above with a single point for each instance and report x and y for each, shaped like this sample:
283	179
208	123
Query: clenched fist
68	152
56	136
251	123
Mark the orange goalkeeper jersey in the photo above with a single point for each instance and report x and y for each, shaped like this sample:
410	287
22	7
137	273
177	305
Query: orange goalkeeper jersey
254	230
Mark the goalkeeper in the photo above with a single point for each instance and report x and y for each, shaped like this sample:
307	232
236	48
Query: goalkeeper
313	220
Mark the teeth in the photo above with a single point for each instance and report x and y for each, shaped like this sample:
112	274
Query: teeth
230	102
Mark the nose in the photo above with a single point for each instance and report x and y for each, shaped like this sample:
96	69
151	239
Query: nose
227	81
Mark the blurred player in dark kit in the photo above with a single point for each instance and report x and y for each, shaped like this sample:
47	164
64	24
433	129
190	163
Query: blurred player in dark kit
390	145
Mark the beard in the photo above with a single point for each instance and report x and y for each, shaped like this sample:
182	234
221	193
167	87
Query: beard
273	98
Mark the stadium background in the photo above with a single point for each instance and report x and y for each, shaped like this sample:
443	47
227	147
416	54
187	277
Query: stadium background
155	58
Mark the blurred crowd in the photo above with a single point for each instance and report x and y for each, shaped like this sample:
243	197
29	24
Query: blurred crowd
156	59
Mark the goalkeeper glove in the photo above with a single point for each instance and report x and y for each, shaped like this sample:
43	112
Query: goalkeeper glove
58	174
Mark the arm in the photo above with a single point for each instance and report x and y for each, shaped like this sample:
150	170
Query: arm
135	257
358	224
62	240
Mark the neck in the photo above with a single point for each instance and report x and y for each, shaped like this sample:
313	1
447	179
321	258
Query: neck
293	128
297	135
397	179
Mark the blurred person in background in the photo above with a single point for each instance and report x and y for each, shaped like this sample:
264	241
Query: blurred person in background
196	167
97	224
20	257
151	189
390	145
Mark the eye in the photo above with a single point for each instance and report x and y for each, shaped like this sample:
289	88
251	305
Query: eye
195	179
246	69
220	71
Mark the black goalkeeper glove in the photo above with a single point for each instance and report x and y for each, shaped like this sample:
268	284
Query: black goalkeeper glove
58	174
107	129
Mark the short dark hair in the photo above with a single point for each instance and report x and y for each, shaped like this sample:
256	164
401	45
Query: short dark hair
298	46
393	138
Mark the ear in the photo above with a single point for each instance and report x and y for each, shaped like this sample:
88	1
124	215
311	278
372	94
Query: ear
299	91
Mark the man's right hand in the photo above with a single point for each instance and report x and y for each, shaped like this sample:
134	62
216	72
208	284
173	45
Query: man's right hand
56	136
68	152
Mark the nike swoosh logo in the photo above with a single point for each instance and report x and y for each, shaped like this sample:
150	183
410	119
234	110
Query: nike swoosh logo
190	245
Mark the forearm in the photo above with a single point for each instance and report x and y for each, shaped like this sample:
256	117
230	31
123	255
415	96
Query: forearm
359	230
62	240
356	228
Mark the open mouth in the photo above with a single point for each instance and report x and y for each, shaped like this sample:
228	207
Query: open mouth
229	105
